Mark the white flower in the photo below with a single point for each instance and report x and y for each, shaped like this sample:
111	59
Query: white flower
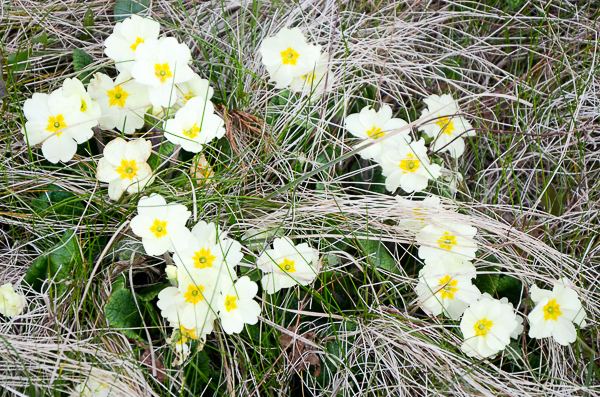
123	43
196	87
99	384
124	166
314	81
447	242
194	125
287	55
171	274
446	287
555	312
89	108
192	304
444	127
160	64
209	248
236	305
431	208
287	265
56	121
11	302
123	102
487	326
369	124
408	167
160	225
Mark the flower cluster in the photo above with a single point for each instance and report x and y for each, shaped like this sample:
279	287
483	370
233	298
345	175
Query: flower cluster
295	64
446	287
154	73
204	277
404	161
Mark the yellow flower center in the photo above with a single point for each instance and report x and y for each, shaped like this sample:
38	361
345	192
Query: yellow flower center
194	294
188	96
56	123
309	78
192	132
447	241
117	96
375	133
409	164
83	107
446	125
482	327
128	169
163	72
287	266
138	41
230	303
203	259
449	287
552	310
289	56
187	333
159	228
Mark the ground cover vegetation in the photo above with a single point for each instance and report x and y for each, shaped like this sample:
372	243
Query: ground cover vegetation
299	198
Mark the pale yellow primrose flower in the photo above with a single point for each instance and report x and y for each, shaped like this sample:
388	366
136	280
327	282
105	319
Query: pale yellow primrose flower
57	122
447	242
287	265
487	326
160	225
407	166
370	125
236	305
160	64
555	313
444	126
123	102
194	125
287	55
446	287
125	39
12	303
124	166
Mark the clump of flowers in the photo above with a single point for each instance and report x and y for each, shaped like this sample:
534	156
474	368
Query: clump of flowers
12	303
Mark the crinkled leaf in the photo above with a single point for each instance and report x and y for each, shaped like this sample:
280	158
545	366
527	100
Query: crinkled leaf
59	202
198	372
81	59
126	8
59	265
486	280
378	254
122	313
41	38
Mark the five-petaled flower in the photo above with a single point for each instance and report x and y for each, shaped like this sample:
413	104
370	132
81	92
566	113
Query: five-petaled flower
287	265
161	226
124	166
126	38
236	304
556	312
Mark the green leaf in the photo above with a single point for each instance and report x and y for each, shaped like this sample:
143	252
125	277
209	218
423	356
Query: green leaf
126	8
197	373
17	61
56	201
122	313
487	282
151	292
378	255
59	265
88	18
41	38
81	59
